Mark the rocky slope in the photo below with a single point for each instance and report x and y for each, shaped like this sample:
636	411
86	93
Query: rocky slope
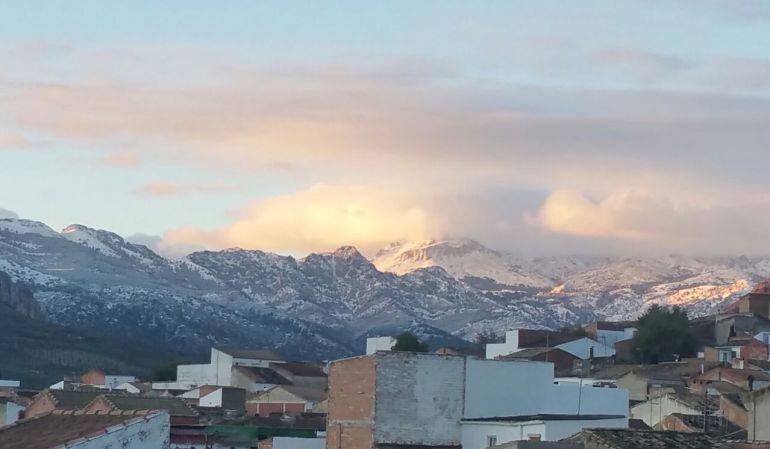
319	305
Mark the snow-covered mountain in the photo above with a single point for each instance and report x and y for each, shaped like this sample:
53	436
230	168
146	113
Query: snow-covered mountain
321	305
462	258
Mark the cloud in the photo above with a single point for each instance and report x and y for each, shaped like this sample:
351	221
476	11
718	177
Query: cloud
16	141
5	213
163	188
121	159
319	218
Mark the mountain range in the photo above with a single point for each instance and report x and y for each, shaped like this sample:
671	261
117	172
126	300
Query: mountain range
321	306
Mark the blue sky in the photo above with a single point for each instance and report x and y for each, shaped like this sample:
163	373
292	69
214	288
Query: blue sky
538	127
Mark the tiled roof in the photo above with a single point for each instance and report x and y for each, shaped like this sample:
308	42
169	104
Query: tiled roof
71	400
300	369
638	424
716	426
615	325
174	406
762	364
532	352
262	375
58	428
307	393
646	439
249	353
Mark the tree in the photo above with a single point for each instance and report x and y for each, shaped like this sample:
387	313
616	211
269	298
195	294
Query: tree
166	371
662	335
408	342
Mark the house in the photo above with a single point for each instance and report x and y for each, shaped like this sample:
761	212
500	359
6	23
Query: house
744	348
97	377
219	370
564	362
374	344
652	411
179	412
400	399
135	387
755	302
609	333
256	378
642	439
50	400
643	380
227	398
745	379
285	398
135	430
516	340
713	425
8	388
10	411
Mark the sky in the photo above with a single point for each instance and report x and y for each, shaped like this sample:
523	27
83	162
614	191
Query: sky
536	127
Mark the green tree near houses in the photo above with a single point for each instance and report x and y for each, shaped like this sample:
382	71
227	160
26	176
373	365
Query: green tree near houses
408	342
663	335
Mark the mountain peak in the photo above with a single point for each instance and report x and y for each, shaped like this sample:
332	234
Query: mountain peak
347	252
24	226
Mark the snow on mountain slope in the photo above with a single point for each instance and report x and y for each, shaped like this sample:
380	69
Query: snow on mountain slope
461	258
22	226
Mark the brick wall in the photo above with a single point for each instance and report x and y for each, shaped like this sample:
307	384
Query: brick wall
755	350
41	404
93	377
351	404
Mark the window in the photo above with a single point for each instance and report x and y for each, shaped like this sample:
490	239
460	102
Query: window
491	440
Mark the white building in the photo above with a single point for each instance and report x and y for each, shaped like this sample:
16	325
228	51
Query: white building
519	339
375	344
441	400
140	430
9	411
219	370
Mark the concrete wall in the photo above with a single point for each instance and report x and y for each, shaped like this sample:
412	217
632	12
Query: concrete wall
9	412
111	381
298	443
506	388
510	345
375	344
758	405
653	411
151	432
213	399
513	388
418	398
196	374
350	420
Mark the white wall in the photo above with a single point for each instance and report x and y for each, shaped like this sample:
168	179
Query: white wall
111	381
418	397
510	345
375	344
196	374
213	399
581	348
654	410
298	443
496	388
149	433
475	434
9	412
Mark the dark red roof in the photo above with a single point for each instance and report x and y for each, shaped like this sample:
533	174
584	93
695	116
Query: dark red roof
58	428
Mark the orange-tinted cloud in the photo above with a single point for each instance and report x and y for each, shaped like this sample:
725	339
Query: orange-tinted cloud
163	188
121	159
317	219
